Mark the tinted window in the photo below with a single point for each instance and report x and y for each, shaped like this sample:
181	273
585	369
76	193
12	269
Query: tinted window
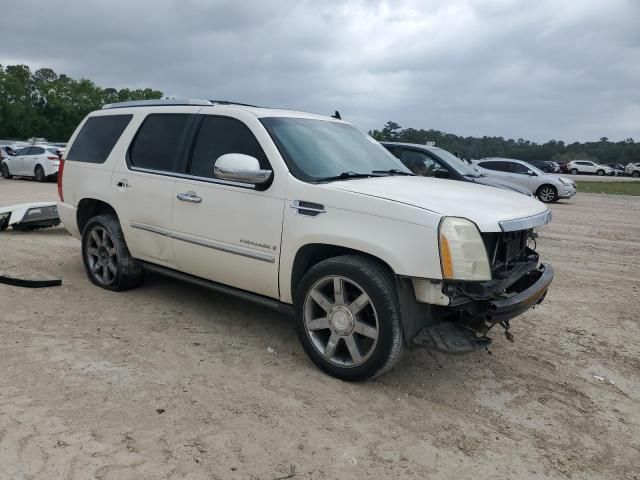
36	151
97	138
158	144
420	163
499	166
519	168
218	136
52	150
24	151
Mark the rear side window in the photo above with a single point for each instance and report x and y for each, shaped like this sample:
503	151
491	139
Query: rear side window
159	142
498	166
218	136
36	151
97	138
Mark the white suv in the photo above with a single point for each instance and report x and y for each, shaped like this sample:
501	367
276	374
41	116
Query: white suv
306	214
632	169
586	166
38	161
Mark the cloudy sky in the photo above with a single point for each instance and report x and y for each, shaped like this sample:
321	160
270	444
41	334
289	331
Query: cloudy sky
541	69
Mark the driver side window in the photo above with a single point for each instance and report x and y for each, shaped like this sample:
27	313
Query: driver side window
420	163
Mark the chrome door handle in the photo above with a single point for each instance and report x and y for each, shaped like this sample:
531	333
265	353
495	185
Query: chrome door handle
189	197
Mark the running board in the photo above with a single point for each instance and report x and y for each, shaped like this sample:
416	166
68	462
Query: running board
272	303
447	337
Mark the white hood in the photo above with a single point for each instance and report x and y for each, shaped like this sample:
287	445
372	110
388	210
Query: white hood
486	206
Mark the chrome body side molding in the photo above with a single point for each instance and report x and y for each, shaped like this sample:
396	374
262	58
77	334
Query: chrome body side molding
213	244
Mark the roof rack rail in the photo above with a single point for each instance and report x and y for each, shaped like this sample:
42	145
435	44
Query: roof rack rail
161	101
230	102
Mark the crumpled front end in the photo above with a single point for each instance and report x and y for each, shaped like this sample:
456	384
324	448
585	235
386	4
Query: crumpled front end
519	282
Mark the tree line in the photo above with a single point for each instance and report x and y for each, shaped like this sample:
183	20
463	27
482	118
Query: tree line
45	104
603	151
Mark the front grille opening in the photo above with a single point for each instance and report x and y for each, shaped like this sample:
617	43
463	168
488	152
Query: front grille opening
506	249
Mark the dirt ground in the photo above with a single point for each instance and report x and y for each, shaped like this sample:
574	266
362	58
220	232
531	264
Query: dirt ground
174	381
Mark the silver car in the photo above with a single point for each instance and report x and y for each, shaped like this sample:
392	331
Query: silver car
546	186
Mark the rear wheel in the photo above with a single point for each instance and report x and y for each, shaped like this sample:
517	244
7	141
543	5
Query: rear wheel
5	171
574	171
106	257
547	194
635	173
348	317
39	173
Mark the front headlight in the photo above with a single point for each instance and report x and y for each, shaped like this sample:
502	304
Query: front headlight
463	255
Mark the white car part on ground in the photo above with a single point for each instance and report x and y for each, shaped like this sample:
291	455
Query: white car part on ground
29	216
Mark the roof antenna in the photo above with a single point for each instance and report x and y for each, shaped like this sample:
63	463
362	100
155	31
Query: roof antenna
336	115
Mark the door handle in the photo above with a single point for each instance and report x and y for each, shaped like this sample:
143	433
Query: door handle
124	183
189	197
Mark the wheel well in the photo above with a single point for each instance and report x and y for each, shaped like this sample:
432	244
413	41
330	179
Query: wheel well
314	253
89	208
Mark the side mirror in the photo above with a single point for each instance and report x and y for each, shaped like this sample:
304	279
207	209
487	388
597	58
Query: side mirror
531	173
441	173
238	167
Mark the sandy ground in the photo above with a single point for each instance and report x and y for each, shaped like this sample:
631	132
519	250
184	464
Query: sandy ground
174	381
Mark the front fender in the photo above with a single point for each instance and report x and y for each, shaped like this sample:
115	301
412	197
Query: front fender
409	249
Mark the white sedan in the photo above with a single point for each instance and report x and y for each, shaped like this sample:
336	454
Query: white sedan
38	161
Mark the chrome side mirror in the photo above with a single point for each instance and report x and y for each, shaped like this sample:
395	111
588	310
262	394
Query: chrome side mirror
238	167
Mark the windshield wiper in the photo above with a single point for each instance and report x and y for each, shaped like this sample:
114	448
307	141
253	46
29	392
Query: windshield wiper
394	171
348	176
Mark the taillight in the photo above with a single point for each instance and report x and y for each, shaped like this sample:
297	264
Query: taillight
53	158
60	170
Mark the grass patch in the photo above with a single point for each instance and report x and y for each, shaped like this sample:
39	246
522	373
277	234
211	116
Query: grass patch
612	188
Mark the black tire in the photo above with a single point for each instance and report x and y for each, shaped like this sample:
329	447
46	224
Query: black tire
547	194
39	173
5	172
379	285
574	171
128	271
4	223
635	173
600	173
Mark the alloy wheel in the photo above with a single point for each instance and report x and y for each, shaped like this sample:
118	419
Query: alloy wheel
547	194
102	256
341	321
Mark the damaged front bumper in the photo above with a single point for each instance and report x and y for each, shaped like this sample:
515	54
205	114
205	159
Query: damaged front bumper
476	308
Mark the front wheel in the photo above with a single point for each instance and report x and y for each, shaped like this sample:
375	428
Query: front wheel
348	317
547	194
5	172
600	173
635	174
574	171
39	173
106	257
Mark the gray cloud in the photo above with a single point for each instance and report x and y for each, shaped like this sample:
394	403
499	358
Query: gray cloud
538	70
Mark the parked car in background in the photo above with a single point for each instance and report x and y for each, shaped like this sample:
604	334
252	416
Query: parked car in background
38	161
547	187
306	214
577	167
431	161
618	169
632	169
545	166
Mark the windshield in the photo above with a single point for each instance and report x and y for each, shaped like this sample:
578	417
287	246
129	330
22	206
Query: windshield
316	150
458	165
